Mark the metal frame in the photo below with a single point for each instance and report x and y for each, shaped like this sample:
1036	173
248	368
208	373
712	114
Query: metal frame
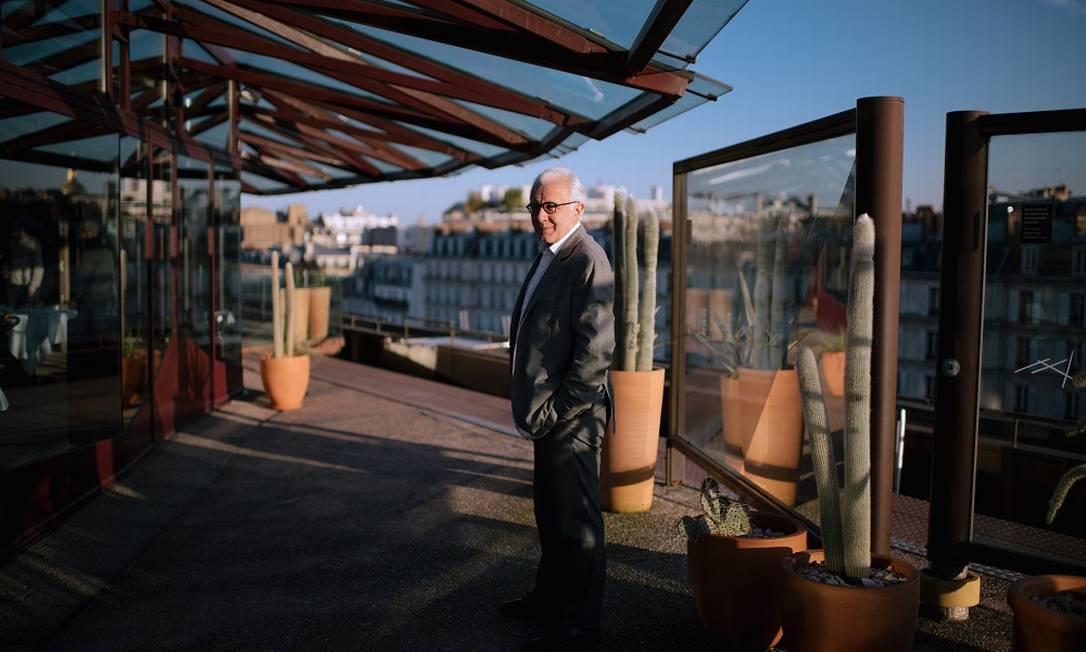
878	123
416	91
961	319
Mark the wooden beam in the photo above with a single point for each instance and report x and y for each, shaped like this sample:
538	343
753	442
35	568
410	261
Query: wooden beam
422	94
520	45
663	19
475	89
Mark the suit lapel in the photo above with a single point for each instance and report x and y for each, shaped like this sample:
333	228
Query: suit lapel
515	321
544	285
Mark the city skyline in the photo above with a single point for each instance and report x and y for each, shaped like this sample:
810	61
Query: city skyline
1009	55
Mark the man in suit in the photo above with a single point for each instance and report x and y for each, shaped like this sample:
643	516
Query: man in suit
562	339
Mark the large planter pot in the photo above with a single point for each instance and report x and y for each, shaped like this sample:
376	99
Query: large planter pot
736	582
133	378
285	380
819	617
628	458
833	372
772	416
301	314
320	301
731	406
1038	628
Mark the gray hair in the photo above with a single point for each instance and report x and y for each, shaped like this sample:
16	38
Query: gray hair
576	188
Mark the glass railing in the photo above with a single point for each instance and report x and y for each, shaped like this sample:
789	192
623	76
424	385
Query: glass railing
1012	421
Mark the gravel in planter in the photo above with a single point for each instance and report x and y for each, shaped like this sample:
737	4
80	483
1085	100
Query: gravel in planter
1068	602
877	578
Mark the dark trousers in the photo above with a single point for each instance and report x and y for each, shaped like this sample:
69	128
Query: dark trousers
566	496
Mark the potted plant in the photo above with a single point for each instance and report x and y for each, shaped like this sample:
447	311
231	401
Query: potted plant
630	448
771	412
733	560
285	375
1050	610
844	598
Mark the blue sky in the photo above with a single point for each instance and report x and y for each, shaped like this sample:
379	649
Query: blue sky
794	61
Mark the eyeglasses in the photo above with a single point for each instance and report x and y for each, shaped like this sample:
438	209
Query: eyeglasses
548	207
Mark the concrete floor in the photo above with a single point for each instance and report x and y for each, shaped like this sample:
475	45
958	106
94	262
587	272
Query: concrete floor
375	518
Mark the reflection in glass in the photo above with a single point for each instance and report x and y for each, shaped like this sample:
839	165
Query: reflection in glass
194	310
228	278
767	269
135	365
59	307
1033	377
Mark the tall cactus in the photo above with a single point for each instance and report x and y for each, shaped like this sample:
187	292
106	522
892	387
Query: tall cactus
277	309
618	256
629	288
290	296
763	288
823	460
854	526
778	317
647	329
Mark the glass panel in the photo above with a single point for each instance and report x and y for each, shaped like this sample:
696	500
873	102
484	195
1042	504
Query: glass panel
70	55
466	144
136	326
696	94
767	267
535	128
702	21
228	278
1033	385
618	22
163	261
59	309
582	95
193	291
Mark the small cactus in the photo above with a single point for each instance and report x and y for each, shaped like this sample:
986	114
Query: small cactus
721	515
647	328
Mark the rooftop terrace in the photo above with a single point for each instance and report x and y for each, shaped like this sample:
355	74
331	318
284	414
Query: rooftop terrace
362	521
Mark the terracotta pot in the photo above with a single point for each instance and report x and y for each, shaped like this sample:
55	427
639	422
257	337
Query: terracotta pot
628	458
320	301
772	415
285	380
735	439
736	582
819	617
301	314
833	373
133	378
1038	628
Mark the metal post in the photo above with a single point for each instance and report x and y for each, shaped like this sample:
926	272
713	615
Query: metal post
676	461
961	302
880	128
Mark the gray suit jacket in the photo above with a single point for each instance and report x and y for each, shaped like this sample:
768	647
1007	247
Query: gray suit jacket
562	346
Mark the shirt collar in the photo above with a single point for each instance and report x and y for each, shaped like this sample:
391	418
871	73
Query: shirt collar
553	249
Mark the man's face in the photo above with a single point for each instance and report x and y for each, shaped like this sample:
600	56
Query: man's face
550	228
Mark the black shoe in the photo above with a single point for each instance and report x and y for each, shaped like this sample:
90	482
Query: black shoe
526	608
565	638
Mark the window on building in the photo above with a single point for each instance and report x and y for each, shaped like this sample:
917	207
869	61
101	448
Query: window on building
929	387
1076	313
1021	352
931	345
1021	398
933	300
1029	260
1071	405
1025	306
1078	260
